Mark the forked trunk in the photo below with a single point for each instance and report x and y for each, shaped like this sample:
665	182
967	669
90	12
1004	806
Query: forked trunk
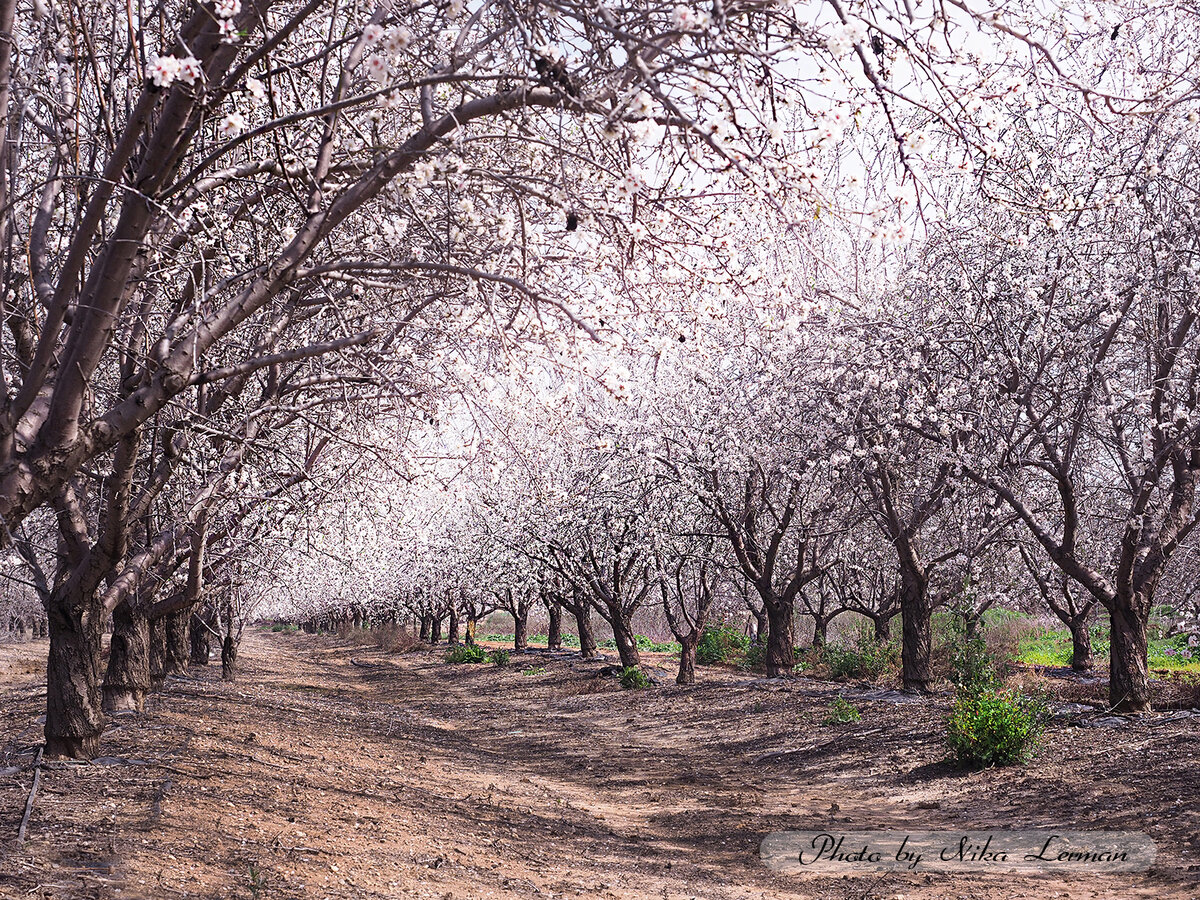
1128	674
1081	645
781	639
74	719
127	678
883	629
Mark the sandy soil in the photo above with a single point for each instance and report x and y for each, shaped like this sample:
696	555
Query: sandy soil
333	770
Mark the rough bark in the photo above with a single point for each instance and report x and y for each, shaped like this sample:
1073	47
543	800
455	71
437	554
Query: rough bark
472	626
74	718
781	639
554	633
883	628
583	626
687	659
200	638
127	678
521	630
916	614
452	631
158	653
627	648
177	647
1129	677
1081	645
435	630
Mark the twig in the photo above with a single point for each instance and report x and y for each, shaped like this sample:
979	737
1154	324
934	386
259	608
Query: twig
37	780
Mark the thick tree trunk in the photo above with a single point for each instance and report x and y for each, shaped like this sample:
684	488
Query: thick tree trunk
1081	645
917	643
687	659
435	630
452	630
74	719
127	678
520	632
472	625
583	625
158	653
627	647
1129	676
201	638
781	640
883	628
554	633
426	626
177	646
229	658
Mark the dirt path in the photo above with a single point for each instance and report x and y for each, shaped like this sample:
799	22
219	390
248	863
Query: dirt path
401	776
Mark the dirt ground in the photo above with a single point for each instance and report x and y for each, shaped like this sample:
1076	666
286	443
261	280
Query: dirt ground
333	770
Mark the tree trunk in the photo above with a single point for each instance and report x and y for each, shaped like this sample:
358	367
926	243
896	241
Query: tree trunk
781	640
472	624
452	631
687	659
626	643
1081	644
74	719
426	626
917	646
127	678
883	628
554	633
583	625
229	658
820	631
177	648
762	627
435	630
158	653
201	638
1129	677
520	631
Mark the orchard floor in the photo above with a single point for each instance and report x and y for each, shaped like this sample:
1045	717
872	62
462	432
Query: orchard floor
332	770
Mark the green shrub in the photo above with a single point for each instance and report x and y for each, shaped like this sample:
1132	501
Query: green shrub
754	658
842	712
499	658
719	643
993	727
633	678
466	653
867	659
534	670
972	668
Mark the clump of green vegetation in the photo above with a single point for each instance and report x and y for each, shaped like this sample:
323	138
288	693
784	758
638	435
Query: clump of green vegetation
719	644
842	712
633	678
995	727
285	627
989	725
644	644
865	658
466	653
754	658
535	670
499	658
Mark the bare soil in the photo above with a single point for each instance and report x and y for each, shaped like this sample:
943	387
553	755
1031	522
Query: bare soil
332	770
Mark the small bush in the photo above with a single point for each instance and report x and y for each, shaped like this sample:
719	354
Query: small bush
633	678
467	653
719	643
866	660
535	670
754	658
499	658
992	727
842	712
972	667
392	638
